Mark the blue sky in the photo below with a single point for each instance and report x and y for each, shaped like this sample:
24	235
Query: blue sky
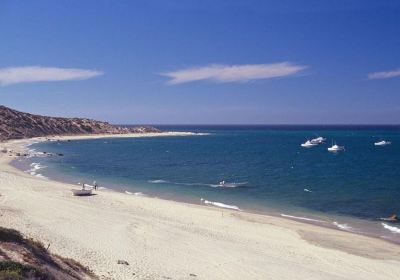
203	62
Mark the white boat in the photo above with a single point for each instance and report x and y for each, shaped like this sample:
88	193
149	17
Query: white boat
336	148
82	192
308	144
382	143
318	140
224	184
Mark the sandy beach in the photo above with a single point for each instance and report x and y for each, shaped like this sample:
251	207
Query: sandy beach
163	239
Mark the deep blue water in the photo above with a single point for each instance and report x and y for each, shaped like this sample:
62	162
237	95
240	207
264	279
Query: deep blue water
361	182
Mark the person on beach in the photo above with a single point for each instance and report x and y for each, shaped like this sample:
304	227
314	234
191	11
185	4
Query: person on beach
95	185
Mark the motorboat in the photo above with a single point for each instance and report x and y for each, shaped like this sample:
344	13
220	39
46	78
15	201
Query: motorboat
393	219
318	140
335	148
382	143
308	144
224	184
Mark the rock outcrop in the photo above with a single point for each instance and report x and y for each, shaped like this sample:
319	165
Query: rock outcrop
18	125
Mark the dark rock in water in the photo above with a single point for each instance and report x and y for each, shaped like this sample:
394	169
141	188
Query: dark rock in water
123	262
18	125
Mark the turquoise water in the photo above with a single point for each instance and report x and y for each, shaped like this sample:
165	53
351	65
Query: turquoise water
356	186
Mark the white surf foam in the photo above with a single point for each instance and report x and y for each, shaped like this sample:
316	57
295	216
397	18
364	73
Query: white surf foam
136	193
35	167
307	190
220	204
302	218
157	181
39	166
345	227
391	228
41	176
231	185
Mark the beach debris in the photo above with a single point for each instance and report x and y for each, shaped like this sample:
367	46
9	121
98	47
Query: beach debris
192	274
123	262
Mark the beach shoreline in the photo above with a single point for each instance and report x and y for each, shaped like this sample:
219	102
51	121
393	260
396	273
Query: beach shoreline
213	242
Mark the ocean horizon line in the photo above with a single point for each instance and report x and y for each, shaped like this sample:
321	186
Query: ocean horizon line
262	125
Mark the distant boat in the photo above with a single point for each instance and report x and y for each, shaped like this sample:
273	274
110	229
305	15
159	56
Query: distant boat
392	218
335	148
382	143
224	184
308	144
318	140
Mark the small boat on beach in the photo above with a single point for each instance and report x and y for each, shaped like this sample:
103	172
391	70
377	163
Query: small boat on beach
382	143
335	148
308	144
82	192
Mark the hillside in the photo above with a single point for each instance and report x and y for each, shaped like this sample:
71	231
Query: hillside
24	258
17	125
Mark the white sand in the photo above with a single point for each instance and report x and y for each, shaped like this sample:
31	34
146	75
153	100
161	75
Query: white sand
170	240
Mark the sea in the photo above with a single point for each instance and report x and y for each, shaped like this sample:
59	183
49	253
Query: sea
265	169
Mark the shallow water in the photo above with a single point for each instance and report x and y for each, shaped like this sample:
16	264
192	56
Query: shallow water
349	190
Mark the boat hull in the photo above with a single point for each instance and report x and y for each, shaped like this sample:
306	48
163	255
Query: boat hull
81	192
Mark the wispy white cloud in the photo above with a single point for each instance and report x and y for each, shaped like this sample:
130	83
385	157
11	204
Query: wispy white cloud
29	74
384	74
234	73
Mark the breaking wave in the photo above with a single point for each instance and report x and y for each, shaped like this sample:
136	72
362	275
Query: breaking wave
35	166
157	181
391	228
302	218
220	204
136	193
345	227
